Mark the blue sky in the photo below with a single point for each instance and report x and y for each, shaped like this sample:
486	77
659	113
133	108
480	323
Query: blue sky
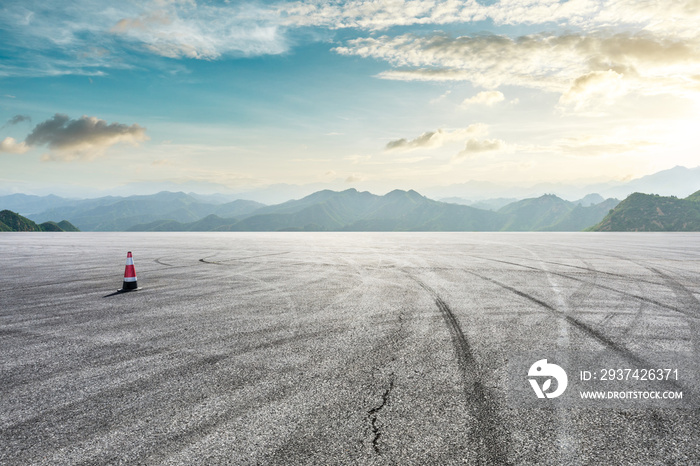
234	96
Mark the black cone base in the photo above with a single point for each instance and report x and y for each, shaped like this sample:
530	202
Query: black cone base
129	286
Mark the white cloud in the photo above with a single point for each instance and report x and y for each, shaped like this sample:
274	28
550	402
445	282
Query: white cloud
487	98
475	146
88	37
204	31
599	86
596	145
11	146
577	66
437	138
678	17
382	14
81	138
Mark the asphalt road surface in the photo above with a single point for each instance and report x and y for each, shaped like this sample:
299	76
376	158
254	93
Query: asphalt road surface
336	348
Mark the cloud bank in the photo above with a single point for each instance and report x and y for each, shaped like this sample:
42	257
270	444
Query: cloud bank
576	66
204	31
674	17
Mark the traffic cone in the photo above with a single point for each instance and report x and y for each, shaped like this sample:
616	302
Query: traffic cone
129	275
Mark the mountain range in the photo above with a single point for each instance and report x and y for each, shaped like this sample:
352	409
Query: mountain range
118	213
350	210
677	181
326	210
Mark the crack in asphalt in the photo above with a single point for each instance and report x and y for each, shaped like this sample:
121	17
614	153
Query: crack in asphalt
373	414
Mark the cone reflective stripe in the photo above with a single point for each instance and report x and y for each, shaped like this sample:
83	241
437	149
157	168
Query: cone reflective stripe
129	274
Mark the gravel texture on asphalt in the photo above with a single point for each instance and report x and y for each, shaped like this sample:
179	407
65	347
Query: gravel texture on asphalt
333	348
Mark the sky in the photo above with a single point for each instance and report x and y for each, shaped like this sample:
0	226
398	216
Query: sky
231	96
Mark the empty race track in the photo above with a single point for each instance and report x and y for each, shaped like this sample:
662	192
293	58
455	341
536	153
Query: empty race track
335	348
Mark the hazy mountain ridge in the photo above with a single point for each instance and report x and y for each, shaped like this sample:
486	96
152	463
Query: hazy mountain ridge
351	210
119	214
12	221
678	181
651	212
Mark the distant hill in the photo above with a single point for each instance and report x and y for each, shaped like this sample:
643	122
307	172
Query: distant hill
678	181
494	204
485	204
351	210
551	213
534	214
65	225
651	212
580	217
120	214
456	200
26	204
11	221
590	199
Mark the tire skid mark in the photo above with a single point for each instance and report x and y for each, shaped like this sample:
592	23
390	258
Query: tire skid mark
99	279
194	434
74	410
636	320
605	287
643	304
689	300
146	351
94	278
98	357
641	309
227	261
159	261
586	287
492	448
687	296
587	268
585	328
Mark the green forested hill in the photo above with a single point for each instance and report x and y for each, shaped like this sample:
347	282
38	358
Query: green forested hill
651	212
11	221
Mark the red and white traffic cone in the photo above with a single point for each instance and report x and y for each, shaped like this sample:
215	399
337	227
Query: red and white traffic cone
129	275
